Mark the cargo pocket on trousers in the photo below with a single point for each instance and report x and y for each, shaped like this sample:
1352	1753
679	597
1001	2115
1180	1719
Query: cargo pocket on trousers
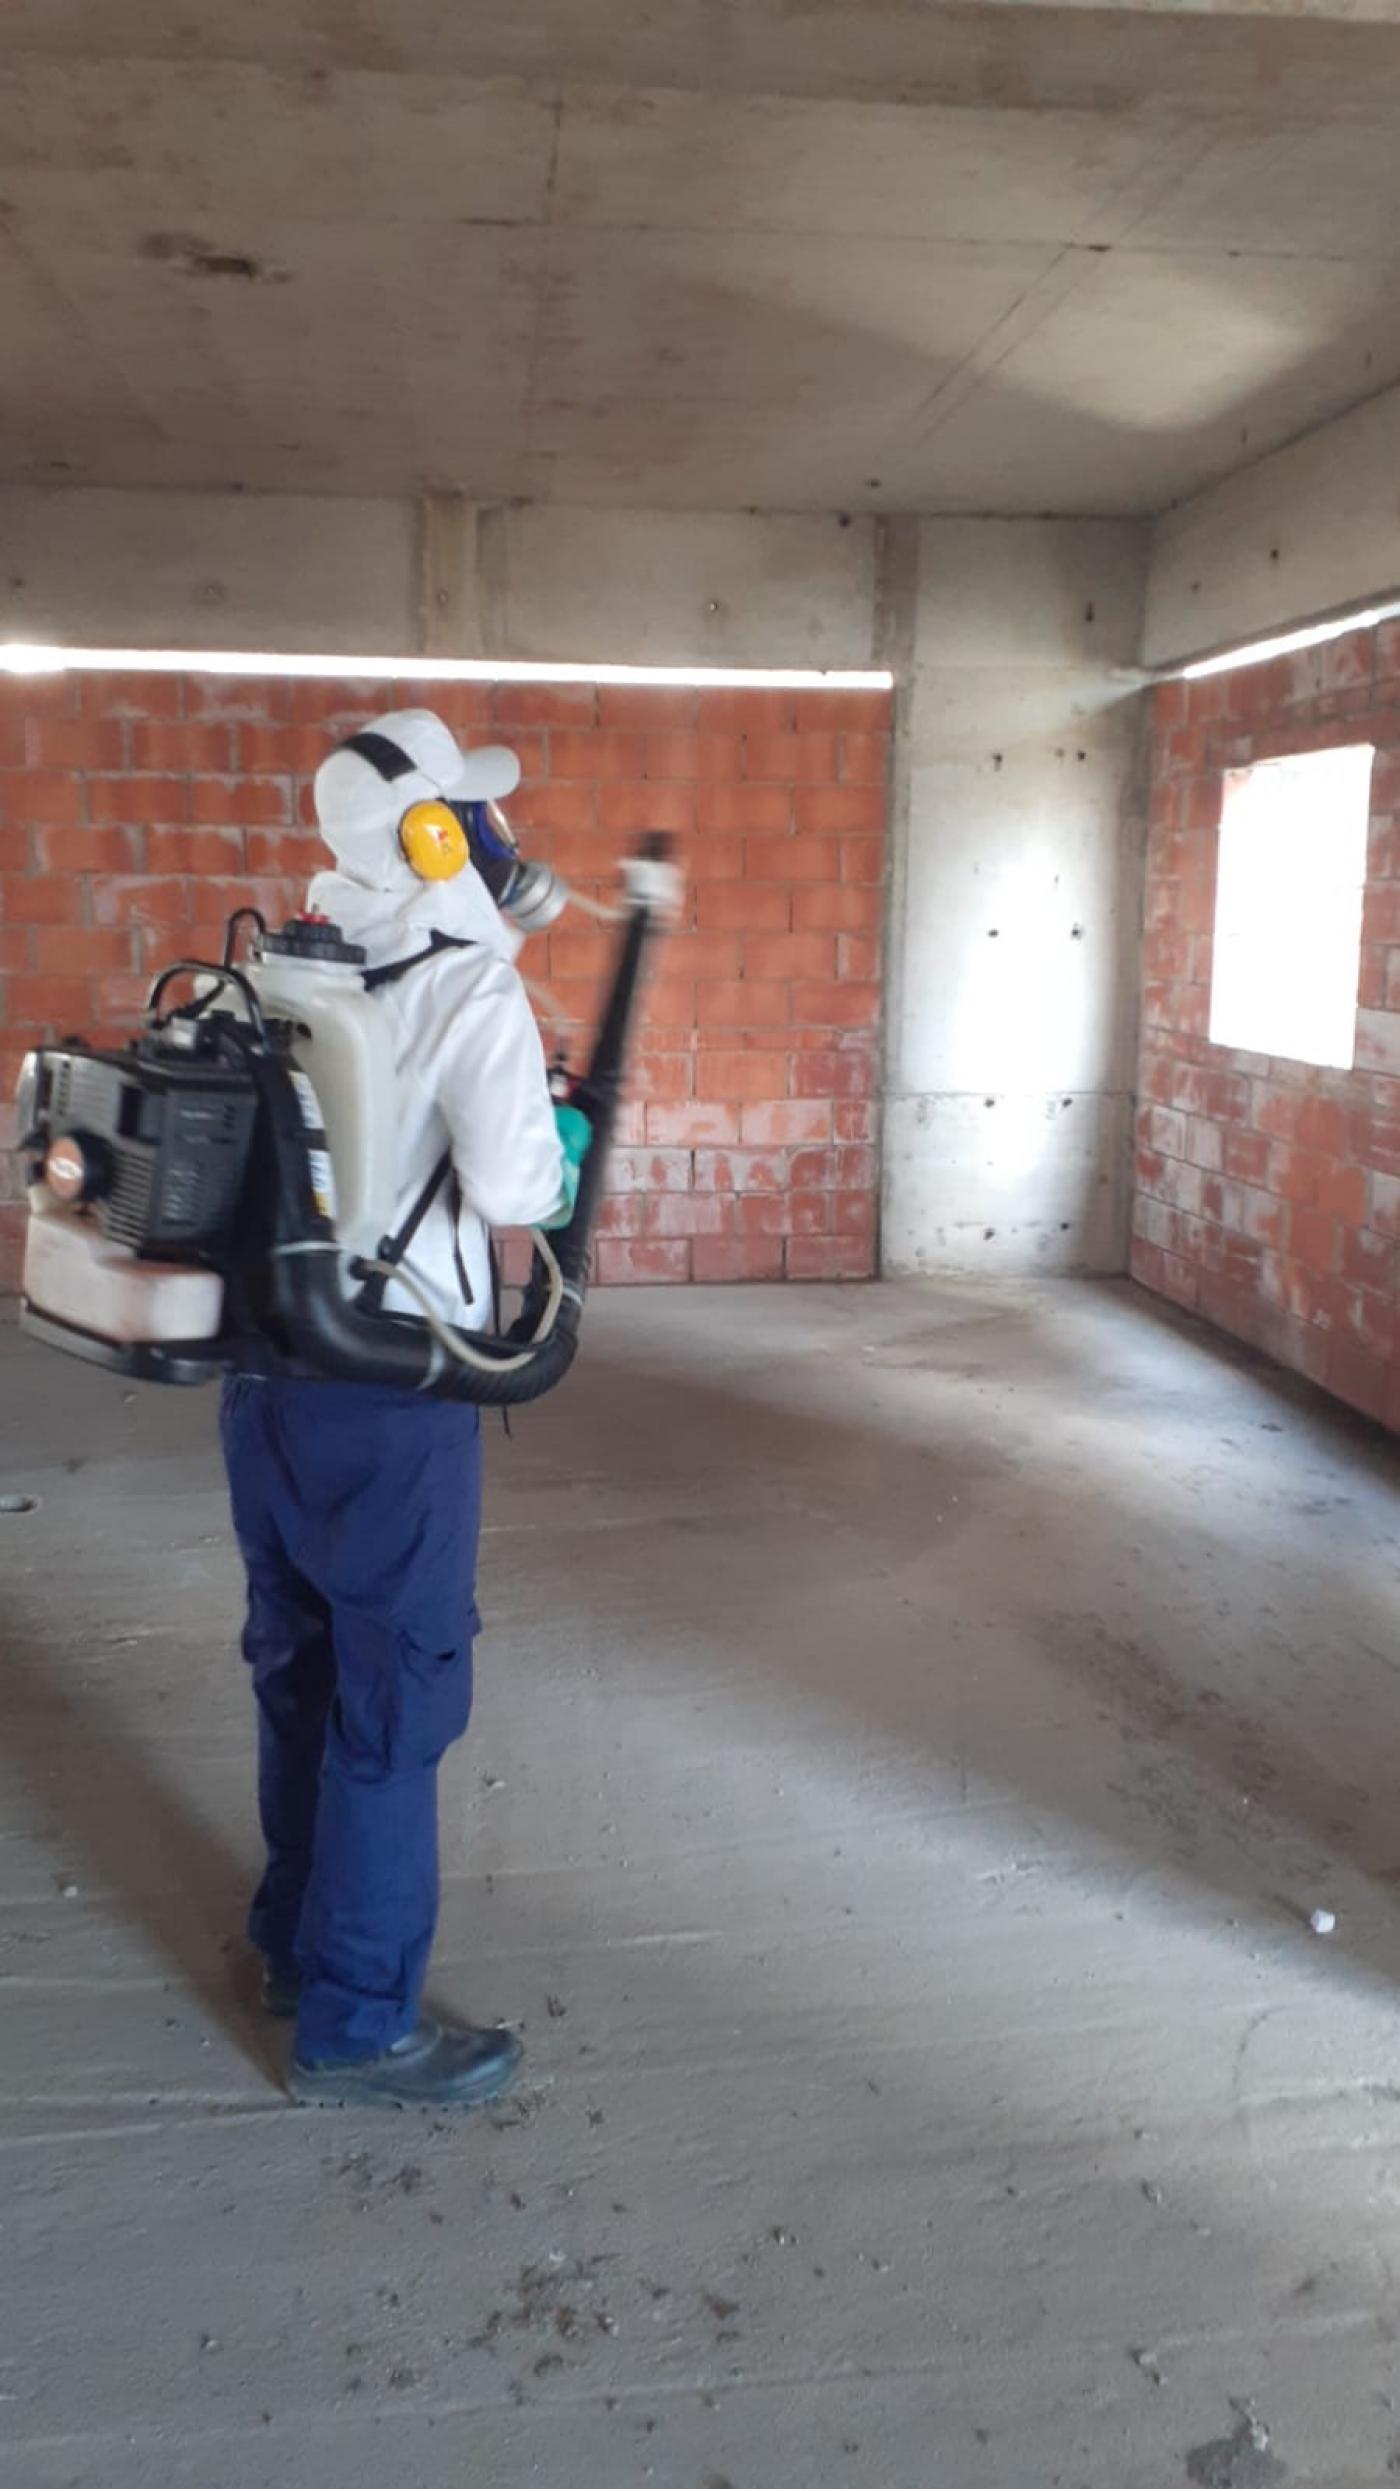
435	1701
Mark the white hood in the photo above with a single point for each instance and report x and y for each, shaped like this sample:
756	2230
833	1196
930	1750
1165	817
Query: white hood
373	894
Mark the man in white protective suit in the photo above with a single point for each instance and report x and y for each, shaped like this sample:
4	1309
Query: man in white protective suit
357	1508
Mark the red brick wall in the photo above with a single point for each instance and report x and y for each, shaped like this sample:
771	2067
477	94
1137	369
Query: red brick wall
137	810
1268	1192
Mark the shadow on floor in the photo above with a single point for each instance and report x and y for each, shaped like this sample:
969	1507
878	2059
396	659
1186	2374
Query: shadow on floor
130	1829
1215	1627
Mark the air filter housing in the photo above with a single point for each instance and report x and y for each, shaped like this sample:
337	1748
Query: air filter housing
163	1133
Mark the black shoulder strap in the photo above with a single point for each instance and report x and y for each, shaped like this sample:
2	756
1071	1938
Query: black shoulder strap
392	1249
381	752
393	969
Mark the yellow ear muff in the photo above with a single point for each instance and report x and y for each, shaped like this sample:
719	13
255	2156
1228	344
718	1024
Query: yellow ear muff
433	841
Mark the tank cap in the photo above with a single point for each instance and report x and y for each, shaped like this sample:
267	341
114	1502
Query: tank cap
313	938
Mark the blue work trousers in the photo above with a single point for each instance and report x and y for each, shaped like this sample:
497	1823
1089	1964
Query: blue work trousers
357	1512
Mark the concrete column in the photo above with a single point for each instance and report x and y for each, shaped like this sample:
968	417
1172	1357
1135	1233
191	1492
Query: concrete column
1017	840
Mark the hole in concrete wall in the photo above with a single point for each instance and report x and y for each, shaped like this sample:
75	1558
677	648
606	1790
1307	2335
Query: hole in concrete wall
235	264
987	1234
14	1504
195	258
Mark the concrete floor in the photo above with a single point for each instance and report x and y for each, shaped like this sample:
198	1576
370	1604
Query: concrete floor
913	1729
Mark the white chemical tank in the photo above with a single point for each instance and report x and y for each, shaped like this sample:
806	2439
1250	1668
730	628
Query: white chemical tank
310	976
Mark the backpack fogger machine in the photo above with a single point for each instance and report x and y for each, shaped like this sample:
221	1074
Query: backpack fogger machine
213	1196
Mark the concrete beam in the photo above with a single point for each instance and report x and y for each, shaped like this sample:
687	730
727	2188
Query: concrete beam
1308	532
112	569
677	587
440	577
1345	12
1219	58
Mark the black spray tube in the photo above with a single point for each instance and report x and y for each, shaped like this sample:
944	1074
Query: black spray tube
598	1093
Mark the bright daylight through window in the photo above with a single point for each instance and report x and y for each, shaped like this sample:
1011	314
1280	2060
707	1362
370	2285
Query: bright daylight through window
1288	903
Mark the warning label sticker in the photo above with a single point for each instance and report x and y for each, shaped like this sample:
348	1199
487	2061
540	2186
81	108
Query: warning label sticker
307	1100
322	1181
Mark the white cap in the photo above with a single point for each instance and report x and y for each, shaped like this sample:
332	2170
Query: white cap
359	809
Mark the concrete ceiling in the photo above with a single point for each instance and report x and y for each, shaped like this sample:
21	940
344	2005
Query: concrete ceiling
1002	257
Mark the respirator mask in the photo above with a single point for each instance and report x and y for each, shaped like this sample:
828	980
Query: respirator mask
529	895
439	837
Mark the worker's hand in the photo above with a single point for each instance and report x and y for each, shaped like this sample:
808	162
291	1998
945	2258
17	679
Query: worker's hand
575	1139
575	1134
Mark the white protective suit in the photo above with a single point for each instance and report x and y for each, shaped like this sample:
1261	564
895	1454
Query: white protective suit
469	1061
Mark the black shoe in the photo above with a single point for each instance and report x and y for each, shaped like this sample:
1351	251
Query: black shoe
433	2068
281	1991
